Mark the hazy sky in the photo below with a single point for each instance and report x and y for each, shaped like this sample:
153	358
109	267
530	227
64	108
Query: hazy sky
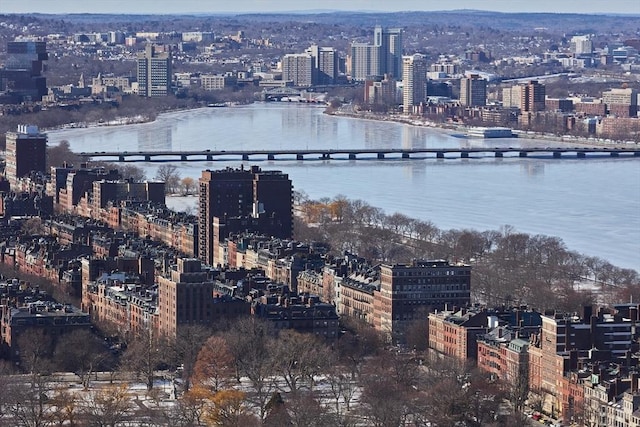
225	6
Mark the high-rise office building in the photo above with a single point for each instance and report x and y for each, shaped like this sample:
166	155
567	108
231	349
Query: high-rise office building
382	57
298	67
414	78
534	96
473	91
239	196
21	77
325	65
26	152
390	43
154	71
528	97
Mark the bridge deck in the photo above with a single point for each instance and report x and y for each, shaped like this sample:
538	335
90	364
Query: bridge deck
335	153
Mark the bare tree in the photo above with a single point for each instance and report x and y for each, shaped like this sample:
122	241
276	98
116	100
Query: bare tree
186	347
60	154
168	174
359	342
132	172
188	185
108	406
26	402
65	407
143	355
80	352
387	390
298	358
249	342
35	348
305	409
342	387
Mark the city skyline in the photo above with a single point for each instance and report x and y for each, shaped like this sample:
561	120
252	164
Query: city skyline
266	6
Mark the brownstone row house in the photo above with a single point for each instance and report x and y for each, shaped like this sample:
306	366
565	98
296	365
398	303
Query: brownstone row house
581	369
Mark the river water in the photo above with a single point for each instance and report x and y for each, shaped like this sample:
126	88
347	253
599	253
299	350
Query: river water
593	204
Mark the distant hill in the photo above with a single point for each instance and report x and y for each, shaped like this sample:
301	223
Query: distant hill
554	22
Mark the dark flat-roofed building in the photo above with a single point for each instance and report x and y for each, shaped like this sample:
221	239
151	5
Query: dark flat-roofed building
246	194
423	285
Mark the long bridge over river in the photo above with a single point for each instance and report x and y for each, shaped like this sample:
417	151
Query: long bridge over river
359	153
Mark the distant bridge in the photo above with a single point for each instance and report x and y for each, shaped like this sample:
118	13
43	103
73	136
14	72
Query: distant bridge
356	153
277	93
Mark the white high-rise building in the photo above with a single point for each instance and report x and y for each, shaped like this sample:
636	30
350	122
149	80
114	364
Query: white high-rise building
414	78
364	61
581	45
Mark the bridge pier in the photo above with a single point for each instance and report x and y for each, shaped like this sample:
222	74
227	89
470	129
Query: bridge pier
299	157
557	154
405	156
326	156
464	154
147	158
614	154
581	154
440	155
352	156
209	157
380	156
523	154
499	154
183	157
245	157
271	157
121	158
636	154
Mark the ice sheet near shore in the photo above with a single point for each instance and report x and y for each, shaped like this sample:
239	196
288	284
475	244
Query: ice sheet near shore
182	203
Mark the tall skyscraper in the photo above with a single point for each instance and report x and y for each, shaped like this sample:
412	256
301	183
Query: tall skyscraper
26	152
298	68
382	57
154	71
414	78
473	91
390	43
21	76
238	195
